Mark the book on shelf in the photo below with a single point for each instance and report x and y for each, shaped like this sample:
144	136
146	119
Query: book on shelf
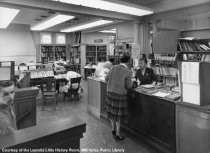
193	45
165	71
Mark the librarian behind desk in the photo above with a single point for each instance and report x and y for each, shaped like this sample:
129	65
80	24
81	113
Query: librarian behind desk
144	74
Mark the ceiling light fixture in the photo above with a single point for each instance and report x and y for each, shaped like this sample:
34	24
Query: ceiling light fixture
131	9
51	21
86	25
108	31
6	16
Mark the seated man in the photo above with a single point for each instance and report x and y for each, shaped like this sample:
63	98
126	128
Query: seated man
69	76
145	75
58	66
7	115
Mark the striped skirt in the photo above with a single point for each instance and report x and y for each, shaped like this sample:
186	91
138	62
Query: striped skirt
116	106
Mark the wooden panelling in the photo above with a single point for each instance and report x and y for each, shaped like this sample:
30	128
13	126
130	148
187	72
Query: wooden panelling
61	134
25	107
153	118
103	96
162	122
193	129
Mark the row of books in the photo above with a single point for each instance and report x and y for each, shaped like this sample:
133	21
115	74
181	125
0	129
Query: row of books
47	48
193	46
60	49
164	58
101	54
41	74
170	81
47	54
196	57
165	71
101	48
90	54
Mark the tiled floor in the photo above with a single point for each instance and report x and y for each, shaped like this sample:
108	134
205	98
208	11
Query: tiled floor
98	133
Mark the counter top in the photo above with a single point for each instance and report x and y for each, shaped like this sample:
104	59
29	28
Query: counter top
145	91
26	92
150	92
26	89
40	132
96	79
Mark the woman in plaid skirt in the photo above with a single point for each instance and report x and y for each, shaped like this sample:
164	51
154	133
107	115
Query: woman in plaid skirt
118	82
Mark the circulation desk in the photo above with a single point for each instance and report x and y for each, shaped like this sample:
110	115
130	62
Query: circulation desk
150	118
169	126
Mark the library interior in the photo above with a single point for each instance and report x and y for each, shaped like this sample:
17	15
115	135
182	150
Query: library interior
105	76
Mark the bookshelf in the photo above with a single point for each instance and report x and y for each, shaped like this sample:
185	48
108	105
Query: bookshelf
96	52
75	56
60	52
75	51
165	68
194	49
51	53
47	53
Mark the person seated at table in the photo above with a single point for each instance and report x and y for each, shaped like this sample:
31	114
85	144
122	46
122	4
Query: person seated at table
89	65
58	66
69	76
7	115
144	75
100	62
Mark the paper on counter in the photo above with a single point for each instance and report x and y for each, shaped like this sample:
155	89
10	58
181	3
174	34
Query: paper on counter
148	86
161	94
190	72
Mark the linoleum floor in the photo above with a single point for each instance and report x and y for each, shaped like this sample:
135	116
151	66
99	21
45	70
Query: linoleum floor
98	137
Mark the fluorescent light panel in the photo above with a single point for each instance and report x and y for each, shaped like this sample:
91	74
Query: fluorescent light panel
110	6
86	26
52	21
109	31
6	16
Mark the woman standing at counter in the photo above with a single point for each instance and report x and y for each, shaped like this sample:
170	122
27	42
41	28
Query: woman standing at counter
145	75
118	82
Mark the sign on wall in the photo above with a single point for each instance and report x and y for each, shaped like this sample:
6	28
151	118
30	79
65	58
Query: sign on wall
98	41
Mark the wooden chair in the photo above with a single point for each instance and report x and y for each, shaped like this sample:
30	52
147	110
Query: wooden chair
74	88
49	90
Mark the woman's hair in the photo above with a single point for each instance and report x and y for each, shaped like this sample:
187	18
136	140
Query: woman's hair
125	59
4	84
111	60
143	59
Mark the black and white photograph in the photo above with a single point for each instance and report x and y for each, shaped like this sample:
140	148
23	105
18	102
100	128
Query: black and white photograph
105	76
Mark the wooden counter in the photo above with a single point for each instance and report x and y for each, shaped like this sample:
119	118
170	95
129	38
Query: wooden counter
61	134
25	106
150	118
192	128
168	125
96	96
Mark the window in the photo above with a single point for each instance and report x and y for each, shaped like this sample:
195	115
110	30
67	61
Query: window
46	38
60	38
